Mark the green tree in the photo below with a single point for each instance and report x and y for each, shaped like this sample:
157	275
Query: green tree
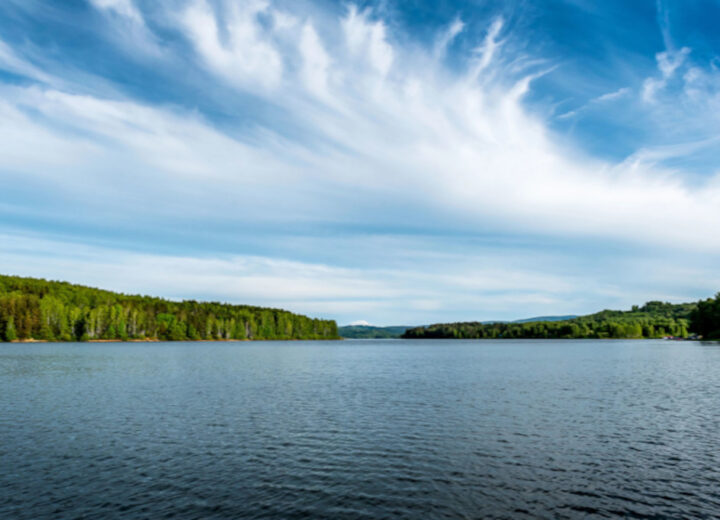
10	332
61	311
705	319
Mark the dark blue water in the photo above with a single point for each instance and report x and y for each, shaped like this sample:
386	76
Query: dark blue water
360	429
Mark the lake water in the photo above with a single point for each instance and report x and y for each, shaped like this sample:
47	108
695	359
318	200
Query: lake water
360	429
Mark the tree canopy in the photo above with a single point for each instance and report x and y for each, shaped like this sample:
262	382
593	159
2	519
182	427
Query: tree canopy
371	332
705	318
653	320
38	309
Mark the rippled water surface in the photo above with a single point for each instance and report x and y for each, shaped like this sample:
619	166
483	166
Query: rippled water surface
360	429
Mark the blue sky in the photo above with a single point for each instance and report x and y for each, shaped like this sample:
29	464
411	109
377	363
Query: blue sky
399	162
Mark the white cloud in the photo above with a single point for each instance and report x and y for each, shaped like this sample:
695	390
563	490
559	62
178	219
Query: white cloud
122	7
11	62
702	88
126	25
283	21
315	61
246	56
600	100
489	48
21	137
651	156
668	62
612	96
368	39
156	138
447	37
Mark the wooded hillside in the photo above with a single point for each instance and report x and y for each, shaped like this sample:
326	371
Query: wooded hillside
652	320
32	308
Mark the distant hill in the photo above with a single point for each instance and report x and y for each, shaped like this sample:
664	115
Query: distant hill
371	332
36	309
652	320
547	318
529	320
396	331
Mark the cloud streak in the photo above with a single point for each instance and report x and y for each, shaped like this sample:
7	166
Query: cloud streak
246	57
503	288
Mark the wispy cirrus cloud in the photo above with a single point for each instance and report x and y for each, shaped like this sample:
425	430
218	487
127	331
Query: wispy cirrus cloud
10	61
124	8
669	62
245	56
446	37
598	101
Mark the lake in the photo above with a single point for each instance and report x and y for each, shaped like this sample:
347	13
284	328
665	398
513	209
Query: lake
360	430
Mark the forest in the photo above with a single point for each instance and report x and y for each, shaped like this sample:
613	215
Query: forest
652	320
705	318
37	309
371	332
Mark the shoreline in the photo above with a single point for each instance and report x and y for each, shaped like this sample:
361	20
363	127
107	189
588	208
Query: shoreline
156	340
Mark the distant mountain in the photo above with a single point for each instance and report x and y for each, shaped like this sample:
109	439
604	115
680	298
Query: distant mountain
531	320
547	318
371	332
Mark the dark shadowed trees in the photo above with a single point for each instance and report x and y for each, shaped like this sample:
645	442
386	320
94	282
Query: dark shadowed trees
705	319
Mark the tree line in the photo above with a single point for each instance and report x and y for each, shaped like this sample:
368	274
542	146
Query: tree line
652	320
705	318
37	309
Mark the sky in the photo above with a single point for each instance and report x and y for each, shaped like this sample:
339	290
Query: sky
395	162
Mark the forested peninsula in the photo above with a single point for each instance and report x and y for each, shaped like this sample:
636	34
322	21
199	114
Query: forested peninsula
37	309
652	320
